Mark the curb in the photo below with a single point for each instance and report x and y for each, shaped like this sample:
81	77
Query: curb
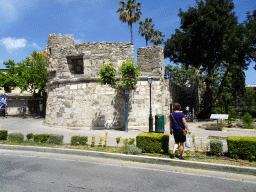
191	164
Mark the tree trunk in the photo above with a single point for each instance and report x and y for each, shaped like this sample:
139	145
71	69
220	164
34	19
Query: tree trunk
207	106
131	33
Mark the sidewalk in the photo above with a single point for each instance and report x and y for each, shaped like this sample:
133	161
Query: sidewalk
37	126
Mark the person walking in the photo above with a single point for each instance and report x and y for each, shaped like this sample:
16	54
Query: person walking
3	106
177	124
24	108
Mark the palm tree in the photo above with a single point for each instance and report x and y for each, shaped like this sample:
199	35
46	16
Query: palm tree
146	28
157	37
129	13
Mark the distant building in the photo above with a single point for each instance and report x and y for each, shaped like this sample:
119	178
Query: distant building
15	99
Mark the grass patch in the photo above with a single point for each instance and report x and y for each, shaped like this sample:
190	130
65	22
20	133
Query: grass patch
217	137
201	157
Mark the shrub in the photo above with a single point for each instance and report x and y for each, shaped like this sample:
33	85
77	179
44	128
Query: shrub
239	124
131	141
42	138
216	147
29	136
56	139
153	142
75	140
125	142
16	137
242	147
131	149
106	139
100	141
83	140
229	123
3	134
118	139
248	120
93	141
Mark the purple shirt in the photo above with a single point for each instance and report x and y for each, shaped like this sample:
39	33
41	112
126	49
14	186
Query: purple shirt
178	118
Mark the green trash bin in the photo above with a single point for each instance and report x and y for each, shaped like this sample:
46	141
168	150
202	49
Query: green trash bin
159	125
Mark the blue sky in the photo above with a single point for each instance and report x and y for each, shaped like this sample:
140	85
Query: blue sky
26	24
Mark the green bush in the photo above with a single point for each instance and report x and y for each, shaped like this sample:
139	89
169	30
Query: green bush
216	147
83	140
16	137
131	141
229	122
29	136
125	144
41	138
239	124
56	139
118	139
153	142
93	141
131	149
248	120
242	147
3	134
75	140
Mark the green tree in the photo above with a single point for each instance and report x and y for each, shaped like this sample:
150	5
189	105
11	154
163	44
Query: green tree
183	76
210	39
128	71
129	13
28	75
157	38
250	24
146	29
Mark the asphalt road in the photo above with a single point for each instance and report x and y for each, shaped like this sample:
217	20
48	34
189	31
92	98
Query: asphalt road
34	171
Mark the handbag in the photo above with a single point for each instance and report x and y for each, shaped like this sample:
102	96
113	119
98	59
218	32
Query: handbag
187	143
184	131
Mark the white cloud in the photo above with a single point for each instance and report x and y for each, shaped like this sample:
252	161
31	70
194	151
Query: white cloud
36	46
12	44
78	41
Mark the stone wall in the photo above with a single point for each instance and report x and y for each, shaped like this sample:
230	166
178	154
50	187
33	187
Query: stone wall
79	99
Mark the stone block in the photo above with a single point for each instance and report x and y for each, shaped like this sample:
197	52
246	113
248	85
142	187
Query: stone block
83	85
73	86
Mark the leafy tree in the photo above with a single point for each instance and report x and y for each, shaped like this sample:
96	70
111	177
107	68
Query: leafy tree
146	29
233	88
210	39
157	38
250	24
28	75
129	75
182	76
129	13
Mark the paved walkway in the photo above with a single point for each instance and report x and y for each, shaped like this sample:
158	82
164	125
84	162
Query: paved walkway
37	126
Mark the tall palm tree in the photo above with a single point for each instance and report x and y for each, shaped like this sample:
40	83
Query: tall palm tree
129	13
147	29
157	37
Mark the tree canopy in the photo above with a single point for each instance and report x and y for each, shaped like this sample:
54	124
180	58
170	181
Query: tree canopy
157	37
211	39
128	71
129	13
29	75
146	29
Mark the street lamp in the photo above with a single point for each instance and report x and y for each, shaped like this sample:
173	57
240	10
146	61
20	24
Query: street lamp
150	80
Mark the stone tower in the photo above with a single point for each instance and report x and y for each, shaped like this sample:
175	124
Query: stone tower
75	96
55	44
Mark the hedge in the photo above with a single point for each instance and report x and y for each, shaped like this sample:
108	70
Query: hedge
153	142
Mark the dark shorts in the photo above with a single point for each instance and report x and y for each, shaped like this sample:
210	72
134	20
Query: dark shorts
178	136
